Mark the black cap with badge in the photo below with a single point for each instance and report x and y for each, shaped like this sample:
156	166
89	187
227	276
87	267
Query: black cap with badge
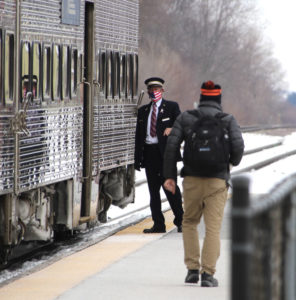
154	81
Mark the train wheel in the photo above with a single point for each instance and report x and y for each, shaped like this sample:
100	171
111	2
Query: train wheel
62	233
4	253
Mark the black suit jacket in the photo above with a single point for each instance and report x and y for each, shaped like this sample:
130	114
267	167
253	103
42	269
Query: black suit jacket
167	114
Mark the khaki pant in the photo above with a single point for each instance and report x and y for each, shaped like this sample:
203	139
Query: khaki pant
207	197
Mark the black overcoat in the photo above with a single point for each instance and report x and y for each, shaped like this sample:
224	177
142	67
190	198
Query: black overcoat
167	114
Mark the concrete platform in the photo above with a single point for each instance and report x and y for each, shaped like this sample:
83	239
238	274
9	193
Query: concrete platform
155	271
129	265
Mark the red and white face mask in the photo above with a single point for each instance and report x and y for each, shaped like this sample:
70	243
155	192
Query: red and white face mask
155	96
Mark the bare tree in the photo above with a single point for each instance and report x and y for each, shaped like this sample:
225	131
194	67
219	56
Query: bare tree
190	41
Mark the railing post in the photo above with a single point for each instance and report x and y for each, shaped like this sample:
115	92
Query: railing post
290	251
241	240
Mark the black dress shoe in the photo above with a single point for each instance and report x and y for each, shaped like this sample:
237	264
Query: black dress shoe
208	280
154	230
180	228
192	276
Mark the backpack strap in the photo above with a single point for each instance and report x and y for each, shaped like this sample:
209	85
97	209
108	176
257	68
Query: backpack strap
221	116
225	124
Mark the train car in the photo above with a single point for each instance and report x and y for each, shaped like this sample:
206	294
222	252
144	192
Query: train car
68	101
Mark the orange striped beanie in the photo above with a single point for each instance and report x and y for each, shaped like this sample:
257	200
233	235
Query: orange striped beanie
210	92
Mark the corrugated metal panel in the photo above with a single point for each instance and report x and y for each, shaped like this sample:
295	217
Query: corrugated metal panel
7	14
95	151
117	24
53	152
6	154
116	135
41	20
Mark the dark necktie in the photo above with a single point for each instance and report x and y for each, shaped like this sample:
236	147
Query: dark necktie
153	121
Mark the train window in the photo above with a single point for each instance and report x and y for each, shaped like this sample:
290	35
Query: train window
129	75
65	72
135	75
9	68
116	72
36	70
56	72
74	72
122	75
97	66
102	71
46	72
1	95
25	68
80	68
109	82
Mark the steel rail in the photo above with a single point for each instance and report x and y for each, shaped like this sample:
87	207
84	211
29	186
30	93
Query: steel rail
253	128
265	162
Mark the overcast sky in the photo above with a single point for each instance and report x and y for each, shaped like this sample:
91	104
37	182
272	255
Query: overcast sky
281	26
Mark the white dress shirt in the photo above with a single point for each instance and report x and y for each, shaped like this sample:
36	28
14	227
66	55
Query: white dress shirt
149	138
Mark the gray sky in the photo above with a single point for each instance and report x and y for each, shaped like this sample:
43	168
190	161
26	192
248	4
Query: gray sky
281	24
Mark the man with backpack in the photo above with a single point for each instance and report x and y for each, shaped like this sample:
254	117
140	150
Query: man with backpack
213	141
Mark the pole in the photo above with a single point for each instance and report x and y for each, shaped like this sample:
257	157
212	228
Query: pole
241	240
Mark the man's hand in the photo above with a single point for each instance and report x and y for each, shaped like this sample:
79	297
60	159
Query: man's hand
170	185
167	131
137	167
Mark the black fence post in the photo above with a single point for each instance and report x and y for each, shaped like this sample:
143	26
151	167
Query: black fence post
241	240
289	274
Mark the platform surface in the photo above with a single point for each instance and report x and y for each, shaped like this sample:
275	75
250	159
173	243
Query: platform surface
128	265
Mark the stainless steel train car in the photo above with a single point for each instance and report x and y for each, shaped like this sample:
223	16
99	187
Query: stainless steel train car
68	100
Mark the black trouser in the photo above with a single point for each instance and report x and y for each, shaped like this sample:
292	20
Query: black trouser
154	174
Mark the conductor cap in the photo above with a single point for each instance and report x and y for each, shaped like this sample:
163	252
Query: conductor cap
154	81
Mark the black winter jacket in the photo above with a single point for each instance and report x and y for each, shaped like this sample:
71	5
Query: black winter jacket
180	131
168	112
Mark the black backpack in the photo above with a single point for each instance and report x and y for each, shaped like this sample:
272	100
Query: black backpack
206	147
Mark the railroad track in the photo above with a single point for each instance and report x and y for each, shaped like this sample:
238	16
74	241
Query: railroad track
256	128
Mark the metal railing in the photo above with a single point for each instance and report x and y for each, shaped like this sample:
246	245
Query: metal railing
264	242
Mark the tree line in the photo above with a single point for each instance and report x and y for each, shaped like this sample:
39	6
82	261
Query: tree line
190	41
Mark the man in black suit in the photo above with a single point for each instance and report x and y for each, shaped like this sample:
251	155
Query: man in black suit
154	124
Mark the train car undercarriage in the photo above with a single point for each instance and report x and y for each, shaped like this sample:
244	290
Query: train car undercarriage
46	212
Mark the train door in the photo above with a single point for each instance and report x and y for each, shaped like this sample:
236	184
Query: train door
90	187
